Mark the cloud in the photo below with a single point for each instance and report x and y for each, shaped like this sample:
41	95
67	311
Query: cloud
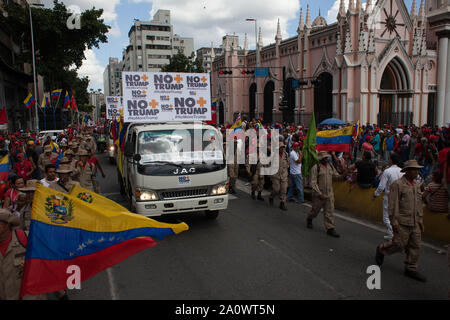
208	21
93	69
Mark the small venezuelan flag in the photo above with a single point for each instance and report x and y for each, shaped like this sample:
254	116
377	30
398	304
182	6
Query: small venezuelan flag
335	140
67	100
67	230
4	168
56	93
29	101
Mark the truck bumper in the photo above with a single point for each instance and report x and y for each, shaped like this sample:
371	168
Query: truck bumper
158	208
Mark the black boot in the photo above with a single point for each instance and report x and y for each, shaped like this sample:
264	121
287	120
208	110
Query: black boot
259	197
415	275
271	202
379	257
309	224
283	206
333	233
253	195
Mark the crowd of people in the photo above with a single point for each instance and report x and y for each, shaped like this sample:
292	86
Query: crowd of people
55	161
409	164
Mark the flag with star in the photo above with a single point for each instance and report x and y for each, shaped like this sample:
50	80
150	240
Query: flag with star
66	230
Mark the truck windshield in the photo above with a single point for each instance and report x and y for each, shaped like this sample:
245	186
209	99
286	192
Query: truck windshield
180	146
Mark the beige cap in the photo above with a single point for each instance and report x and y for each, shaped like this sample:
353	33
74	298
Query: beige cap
322	155
30	186
64	168
411	164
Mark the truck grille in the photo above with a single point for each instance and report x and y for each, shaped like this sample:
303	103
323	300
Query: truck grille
181	194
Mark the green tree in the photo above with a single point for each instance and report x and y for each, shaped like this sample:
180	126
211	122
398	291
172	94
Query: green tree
180	63
57	48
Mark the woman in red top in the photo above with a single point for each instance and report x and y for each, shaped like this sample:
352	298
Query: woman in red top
24	168
12	194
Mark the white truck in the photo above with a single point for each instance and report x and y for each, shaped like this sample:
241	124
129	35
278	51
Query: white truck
174	167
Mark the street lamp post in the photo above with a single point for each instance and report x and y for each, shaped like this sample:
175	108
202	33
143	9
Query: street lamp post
34	64
257	65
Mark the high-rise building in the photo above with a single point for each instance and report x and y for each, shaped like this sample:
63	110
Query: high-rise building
112	78
153	43
96	99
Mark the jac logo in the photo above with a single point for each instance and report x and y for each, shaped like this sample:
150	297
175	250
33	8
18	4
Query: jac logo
166	82
184	171
196	82
136	80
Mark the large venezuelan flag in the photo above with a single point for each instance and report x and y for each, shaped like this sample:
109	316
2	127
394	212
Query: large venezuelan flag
95	199
334	140
68	231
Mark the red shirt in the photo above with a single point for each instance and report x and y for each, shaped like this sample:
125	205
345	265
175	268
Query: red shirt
23	168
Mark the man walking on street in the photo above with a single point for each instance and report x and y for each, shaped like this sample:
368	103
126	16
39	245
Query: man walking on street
280	179
406	216
322	195
295	159
390	175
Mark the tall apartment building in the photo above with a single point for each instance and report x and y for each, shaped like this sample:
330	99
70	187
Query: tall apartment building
153	43
97	99
112	78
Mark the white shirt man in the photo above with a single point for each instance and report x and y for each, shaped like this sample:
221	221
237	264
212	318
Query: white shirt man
389	176
295	168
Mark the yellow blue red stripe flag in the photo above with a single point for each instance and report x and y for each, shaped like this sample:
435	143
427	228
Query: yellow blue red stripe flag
29	101
335	140
66	230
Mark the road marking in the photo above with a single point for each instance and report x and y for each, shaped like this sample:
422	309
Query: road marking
322	281
247	189
112	286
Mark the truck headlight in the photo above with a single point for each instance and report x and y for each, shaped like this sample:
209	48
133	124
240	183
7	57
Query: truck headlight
111	148
146	195
219	190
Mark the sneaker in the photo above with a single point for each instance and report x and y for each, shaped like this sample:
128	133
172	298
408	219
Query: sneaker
415	275
333	233
283	206
309	224
388	238
379	257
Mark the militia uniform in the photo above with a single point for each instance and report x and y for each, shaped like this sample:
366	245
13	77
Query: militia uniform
322	186
45	159
257	180
85	175
12	261
280	179
59	185
233	171
406	216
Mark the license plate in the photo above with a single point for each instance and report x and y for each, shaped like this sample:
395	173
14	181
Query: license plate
184	180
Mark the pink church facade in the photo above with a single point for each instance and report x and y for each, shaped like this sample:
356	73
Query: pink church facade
376	64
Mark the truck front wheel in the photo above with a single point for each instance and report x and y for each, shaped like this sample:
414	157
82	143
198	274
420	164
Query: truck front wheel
212	214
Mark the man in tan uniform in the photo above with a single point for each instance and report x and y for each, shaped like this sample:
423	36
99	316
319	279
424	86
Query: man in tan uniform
233	168
280	179
257	182
406	216
65	183
12	258
45	159
84	171
322	193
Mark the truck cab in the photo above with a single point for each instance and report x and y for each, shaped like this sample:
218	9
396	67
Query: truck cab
174	167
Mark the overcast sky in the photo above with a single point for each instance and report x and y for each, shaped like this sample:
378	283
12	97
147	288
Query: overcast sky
204	20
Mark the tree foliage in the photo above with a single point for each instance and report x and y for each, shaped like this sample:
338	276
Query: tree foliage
181	63
57	48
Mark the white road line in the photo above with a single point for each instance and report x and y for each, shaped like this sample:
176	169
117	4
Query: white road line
247	189
323	282
112	286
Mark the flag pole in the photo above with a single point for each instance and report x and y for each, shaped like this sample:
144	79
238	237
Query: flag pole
54	110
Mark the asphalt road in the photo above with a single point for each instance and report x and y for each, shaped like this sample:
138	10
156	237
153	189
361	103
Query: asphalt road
254	252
